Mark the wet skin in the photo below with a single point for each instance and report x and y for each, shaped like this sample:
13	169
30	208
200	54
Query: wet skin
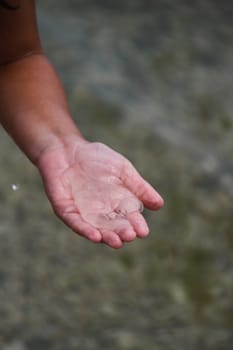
97	192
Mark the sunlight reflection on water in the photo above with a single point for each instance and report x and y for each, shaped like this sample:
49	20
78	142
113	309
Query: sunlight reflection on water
15	187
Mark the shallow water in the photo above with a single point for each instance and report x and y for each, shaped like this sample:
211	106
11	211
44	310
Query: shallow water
158	88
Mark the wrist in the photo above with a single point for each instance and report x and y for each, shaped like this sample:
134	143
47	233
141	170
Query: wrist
55	143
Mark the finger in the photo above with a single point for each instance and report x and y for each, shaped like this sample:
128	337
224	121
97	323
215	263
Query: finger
78	225
127	234
119	225
111	239
127	205
141	188
139	224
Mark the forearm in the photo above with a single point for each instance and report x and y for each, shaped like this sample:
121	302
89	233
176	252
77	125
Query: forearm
33	108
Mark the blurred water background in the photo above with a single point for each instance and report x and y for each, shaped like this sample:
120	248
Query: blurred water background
153	80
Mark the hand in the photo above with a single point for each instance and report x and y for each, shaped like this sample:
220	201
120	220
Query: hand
97	192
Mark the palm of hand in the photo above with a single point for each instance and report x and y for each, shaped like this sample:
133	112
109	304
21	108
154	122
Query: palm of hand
98	193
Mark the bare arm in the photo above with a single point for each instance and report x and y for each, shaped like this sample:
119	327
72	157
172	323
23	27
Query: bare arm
33	108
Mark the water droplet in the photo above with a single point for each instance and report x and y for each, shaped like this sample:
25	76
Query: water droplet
15	187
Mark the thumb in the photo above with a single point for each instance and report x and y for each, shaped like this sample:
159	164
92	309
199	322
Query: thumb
140	187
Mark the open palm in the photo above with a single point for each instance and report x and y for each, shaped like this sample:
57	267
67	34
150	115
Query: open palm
97	192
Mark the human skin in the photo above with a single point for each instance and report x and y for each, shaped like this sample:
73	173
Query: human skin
96	191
